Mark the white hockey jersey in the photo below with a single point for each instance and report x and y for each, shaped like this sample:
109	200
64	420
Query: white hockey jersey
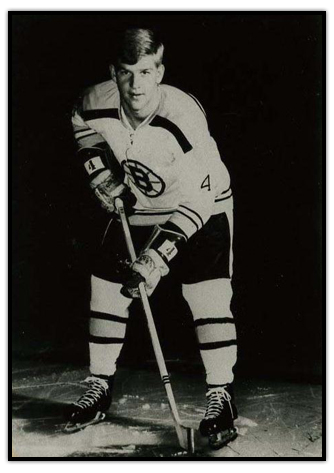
171	162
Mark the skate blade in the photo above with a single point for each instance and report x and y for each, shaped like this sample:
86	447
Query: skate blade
71	428
219	440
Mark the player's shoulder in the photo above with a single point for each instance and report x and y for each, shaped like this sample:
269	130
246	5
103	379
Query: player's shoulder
102	95
184	111
178	104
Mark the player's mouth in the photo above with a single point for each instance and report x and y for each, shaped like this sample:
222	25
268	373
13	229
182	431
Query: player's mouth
136	95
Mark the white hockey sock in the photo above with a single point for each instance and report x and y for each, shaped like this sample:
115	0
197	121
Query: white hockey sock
109	315
209	302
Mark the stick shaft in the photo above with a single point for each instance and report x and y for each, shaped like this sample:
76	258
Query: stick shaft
151	325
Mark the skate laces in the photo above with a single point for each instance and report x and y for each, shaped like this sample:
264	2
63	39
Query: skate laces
216	398
98	388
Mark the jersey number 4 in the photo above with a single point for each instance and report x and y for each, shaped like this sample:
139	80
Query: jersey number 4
206	183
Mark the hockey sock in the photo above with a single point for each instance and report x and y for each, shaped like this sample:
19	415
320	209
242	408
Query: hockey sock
109	315
209	302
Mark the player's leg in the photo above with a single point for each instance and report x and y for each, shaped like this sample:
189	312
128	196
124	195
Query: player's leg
210	305
209	302
109	315
107	327
109	311
207	289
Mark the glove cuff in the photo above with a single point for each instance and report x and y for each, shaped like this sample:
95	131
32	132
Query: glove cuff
166	240
158	261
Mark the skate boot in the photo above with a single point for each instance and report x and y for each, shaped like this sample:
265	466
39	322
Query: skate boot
91	407
220	413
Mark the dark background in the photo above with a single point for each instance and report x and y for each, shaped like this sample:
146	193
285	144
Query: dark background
259	78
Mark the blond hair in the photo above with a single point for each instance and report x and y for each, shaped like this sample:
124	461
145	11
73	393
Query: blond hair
136	43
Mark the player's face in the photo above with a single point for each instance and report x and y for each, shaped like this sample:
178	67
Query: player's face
138	83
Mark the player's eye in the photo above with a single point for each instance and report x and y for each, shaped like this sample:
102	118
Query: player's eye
145	73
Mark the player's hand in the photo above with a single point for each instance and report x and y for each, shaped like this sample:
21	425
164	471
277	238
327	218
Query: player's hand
149	267
107	189
129	200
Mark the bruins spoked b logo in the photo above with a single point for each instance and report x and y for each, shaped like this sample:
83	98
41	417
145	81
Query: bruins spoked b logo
149	183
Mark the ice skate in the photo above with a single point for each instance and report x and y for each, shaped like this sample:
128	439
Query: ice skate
218	424
91	407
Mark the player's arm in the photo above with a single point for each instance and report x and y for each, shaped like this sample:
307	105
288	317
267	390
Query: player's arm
105	175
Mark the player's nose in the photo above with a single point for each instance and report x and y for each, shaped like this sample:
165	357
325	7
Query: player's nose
135	81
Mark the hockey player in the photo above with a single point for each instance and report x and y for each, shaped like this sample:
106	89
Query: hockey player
149	143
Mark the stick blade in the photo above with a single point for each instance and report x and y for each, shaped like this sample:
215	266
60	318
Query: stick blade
186	438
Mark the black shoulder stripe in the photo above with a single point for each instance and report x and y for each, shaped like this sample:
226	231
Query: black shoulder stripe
100	113
174	130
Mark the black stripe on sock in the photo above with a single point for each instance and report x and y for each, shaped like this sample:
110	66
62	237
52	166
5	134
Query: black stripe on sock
213	320
104	376
212	386
215	345
105	340
110	317
138	212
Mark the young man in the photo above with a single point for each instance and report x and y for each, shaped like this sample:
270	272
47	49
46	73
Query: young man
149	142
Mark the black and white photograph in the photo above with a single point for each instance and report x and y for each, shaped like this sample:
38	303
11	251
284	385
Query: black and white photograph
166	205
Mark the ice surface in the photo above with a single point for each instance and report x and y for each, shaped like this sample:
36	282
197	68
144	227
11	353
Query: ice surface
275	419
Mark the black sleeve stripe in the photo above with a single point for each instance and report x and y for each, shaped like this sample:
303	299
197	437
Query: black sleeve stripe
84	136
223	198
100	113
224	192
105	340
215	345
198	103
195	213
171	227
110	317
213	320
162	122
83	130
193	221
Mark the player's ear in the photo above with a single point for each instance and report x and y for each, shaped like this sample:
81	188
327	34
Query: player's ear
161	72
112	70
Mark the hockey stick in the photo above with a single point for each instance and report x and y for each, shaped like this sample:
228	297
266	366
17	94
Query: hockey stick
185	435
